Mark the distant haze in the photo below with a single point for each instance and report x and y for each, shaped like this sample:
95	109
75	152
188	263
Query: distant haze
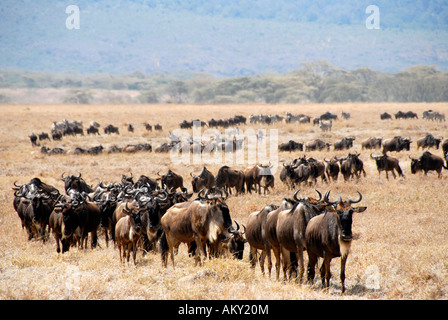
226	38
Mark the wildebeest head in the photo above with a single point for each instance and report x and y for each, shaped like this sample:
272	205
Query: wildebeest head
73	182
345	211
135	218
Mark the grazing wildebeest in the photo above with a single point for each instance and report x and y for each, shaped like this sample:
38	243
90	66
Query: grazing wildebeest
290	146
317	144
332	168
111	129
158	127
43	136
148	127
92	130
344	143
427	162
172	181
429	141
127	232
396	143
228	178
205	179
385	116
291	225
372	143
387	163
328	236
204	220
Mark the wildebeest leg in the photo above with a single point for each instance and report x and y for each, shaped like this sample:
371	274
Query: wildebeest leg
134	252
253	257
119	252
312	261
325	271
301	263
261	261
128	250
393	173
94	240
276	251
343	262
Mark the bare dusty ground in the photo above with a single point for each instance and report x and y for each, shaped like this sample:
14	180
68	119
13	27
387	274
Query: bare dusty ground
400	249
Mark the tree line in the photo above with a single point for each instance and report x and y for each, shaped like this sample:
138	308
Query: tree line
313	82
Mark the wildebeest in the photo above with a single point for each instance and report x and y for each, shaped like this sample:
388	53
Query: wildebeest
316	144
77	183
127	232
171	181
205	179
406	115
344	143
427	162
92	130
255	235
396	143
291	225
387	163
157	127
328	236
296	173
385	116
352	166
445	147
332	168
372	143
228	178
33	139
203	221
429	141
111	129
290	146
53	151
43	136
79	216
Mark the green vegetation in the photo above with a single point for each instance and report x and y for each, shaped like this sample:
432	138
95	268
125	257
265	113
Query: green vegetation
314	82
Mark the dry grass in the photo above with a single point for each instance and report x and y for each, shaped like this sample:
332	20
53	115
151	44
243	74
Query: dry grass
400	251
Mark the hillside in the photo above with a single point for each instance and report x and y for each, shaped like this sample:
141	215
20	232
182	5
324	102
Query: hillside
234	38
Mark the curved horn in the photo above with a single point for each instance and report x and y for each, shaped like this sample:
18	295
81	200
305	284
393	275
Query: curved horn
356	201
295	195
126	206
320	195
62	176
79	175
327	194
237	225
199	194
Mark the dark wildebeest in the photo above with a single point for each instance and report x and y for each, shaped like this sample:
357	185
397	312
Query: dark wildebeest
445	147
33	139
385	116
429	141
43	136
228	178
427	162
387	163
158	127
255	235
148	127
396	143
92	130
290	146
186	124
371	143
111	129
329	236
130	128
127	232
352	166
146	181
171	181
73	182
291	225
332	168
344	143
317	144
296	173
205	179
203	221
79	216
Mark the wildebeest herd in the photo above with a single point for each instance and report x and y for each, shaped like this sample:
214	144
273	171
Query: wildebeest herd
160	214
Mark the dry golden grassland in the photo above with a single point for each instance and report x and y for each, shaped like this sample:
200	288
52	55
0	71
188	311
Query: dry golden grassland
400	249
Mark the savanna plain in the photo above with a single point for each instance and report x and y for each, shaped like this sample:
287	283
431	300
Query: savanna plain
400	246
